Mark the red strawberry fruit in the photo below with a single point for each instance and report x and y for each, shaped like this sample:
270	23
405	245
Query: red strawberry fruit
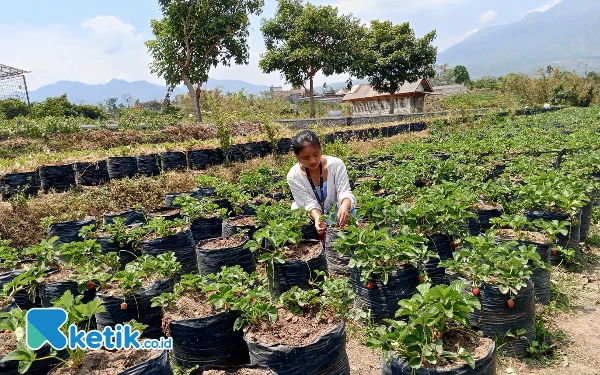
7	331
454	245
421	278
554	251
511	303
369	285
90	285
124	306
475	291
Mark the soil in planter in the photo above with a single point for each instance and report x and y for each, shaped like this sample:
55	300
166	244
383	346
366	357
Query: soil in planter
188	306
111	288
104	362
242	221
242	371
477	345
172	232
221	243
536	237
8	343
303	251
61	275
291	329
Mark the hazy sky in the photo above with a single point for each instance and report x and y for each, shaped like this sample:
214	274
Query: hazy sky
96	41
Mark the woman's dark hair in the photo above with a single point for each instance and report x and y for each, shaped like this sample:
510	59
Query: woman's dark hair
305	138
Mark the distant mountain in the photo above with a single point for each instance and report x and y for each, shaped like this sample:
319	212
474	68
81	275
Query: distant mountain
566	35
79	92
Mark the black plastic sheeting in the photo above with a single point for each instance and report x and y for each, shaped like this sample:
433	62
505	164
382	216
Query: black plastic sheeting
336	264
571	240
129	216
21	297
11	306
206	192
209	341
586	220
68	231
540	278
327	355
228	229
49	291
12	184
168	213
382	299
90	174
211	260
206	228
126	254
182	244
148	165
60	178
38	367
483	366
481	223
158	365
170	197
284	145
173	160
439	244
122	166
296	273
495	318
199	159
309	232
139	308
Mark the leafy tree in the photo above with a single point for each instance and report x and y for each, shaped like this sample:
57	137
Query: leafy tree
461	74
12	108
443	75
393	55
304	39
58	106
195	35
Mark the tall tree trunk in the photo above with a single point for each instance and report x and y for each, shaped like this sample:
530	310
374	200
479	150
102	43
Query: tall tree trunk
311	98
195	95
391	104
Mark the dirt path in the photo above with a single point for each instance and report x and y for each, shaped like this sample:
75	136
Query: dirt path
577	330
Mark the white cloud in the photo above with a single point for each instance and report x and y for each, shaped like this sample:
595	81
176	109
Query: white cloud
488	16
544	7
104	48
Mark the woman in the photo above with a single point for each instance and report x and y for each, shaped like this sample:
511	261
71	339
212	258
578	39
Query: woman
318	181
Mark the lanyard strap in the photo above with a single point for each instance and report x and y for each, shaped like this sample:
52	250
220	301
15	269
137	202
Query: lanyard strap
312	185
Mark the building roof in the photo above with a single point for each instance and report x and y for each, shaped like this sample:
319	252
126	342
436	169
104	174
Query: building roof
366	92
289	92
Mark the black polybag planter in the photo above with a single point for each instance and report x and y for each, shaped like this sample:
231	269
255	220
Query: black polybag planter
206	192
206	228
441	245
38	367
126	254
238	153
495	318
90	174
382	299
484	366
336	264
212	260
11	306
58	177
148	165
170	197
540	278
12	184
139	308
296	272
309	232
158	365
284	145
209	341
481	223
228	228
129	216
122	166
232	369
327	355
199	159
182	244
21	297
586	220
49	291
173	160
68	231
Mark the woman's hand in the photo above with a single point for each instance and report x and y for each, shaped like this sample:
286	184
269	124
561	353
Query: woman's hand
321	227
342	214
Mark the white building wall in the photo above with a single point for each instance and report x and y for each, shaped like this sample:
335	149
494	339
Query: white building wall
382	107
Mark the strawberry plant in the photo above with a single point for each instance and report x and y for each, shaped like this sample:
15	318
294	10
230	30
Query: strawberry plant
192	208
125	236
161	227
504	264
146	268
9	256
375	251
432	313
235	194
